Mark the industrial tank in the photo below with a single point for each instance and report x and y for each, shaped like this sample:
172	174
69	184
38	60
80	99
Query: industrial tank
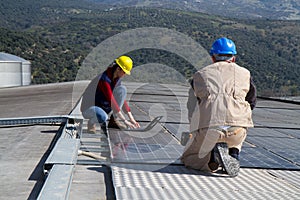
14	71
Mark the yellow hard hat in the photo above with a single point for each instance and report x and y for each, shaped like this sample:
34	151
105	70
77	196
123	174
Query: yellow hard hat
125	63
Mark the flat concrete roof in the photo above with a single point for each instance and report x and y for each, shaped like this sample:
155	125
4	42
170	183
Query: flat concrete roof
24	149
137	165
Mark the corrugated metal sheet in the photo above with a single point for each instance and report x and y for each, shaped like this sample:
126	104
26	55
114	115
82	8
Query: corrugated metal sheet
175	182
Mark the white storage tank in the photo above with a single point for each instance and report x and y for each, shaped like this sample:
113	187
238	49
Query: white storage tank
14	71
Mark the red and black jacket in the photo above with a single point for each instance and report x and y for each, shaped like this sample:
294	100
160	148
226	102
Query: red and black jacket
100	93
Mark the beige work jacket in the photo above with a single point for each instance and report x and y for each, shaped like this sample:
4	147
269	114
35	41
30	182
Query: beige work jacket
222	88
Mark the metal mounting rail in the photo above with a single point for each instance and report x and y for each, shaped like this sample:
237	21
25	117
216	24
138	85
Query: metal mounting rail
33	120
60	164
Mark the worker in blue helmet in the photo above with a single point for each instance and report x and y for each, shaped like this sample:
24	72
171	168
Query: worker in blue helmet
223	46
220	104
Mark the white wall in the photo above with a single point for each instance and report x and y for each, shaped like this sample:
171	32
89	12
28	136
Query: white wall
14	73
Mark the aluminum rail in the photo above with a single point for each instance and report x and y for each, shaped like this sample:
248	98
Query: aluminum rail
33	120
60	164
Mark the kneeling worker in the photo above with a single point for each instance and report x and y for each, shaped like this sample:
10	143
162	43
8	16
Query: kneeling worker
104	94
225	95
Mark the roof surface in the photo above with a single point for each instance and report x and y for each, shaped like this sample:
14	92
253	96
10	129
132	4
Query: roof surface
142	165
6	57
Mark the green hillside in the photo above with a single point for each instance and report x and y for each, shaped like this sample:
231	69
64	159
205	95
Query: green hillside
56	38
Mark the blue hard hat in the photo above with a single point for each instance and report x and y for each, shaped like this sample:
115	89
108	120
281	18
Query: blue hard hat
223	46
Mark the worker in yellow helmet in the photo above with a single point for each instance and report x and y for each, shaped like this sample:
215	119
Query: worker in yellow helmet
104	94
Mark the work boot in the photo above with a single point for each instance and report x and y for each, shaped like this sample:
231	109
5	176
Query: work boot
104	128
91	128
115	123
234	152
213	162
230	164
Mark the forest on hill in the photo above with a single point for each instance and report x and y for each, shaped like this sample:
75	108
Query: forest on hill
57	38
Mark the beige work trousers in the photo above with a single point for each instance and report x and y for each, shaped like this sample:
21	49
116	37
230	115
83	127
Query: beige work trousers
198	149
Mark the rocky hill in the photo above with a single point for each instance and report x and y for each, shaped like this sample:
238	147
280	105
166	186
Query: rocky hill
242	9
